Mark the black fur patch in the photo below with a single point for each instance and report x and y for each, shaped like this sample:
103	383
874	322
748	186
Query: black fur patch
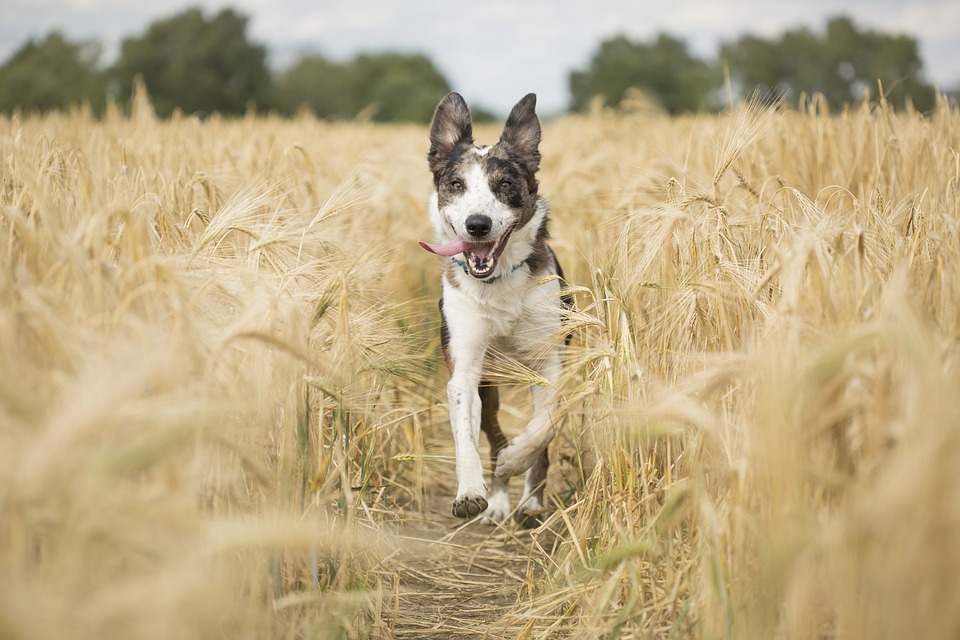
445	336
508	179
451	169
566	299
542	260
511	181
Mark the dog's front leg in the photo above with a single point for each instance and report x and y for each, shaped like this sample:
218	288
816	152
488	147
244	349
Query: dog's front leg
464	340
464	403
465	347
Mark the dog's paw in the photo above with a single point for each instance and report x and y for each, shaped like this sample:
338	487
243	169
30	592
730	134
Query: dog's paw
528	519
531	514
514	460
469	505
498	509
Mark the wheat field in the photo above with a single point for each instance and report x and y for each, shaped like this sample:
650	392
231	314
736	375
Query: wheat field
221	393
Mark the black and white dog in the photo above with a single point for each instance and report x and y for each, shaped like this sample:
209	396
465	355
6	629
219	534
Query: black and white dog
501	294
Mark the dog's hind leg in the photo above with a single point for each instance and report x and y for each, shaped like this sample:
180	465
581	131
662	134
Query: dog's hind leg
498	502
525	449
531	504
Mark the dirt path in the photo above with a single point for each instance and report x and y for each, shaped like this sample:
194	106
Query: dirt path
456	579
456	583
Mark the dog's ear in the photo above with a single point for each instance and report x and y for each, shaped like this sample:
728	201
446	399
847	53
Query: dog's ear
522	131
450	128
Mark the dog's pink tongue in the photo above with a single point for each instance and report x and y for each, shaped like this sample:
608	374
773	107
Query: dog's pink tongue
452	249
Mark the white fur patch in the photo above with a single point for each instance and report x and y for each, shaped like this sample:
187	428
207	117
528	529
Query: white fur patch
530	503
498	506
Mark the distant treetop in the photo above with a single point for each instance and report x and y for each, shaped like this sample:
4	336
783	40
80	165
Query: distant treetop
195	63
663	70
386	87
843	64
52	74
201	64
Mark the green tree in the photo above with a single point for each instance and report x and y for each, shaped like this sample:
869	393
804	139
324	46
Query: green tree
196	64
52	74
841	64
663	69
398	86
391	87
317	83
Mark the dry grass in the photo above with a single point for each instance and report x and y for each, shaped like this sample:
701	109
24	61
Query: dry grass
220	385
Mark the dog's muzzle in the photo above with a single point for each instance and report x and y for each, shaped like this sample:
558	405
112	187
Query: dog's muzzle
481	257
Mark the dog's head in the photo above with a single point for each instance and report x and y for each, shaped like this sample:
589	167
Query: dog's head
484	193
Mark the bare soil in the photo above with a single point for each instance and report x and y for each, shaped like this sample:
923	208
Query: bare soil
455	578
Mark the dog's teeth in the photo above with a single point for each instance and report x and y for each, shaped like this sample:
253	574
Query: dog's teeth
480	266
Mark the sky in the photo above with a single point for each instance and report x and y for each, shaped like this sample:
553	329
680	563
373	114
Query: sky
494	51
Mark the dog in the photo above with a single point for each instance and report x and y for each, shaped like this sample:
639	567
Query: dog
502	293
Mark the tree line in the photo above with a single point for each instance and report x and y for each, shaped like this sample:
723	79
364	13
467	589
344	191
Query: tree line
202	64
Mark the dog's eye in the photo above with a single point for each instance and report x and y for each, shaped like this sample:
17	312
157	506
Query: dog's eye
456	184
506	184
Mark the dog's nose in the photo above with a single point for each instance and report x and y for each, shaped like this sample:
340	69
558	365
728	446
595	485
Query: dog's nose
478	225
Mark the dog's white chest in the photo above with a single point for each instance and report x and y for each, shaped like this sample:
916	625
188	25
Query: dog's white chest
514	319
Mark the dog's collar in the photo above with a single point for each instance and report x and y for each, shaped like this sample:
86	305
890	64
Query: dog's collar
463	265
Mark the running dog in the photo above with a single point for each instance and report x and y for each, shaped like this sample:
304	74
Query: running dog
502	293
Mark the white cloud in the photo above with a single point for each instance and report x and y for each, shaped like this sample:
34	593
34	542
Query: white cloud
929	20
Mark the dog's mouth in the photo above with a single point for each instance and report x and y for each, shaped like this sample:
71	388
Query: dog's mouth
481	257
